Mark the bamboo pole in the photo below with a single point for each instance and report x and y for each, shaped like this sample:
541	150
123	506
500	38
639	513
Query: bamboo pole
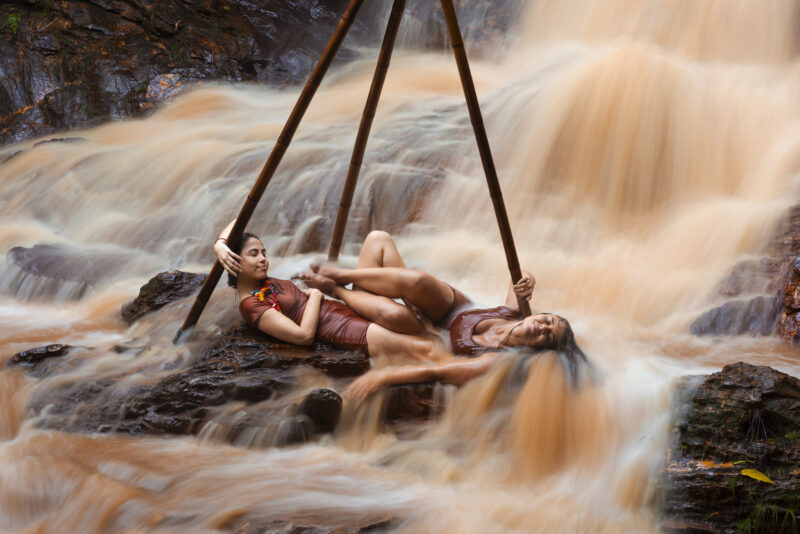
310	89
384	58
483	148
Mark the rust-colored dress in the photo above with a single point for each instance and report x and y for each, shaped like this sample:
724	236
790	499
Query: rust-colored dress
339	326
463	327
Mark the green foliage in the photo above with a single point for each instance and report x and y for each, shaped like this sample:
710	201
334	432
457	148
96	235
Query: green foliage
732	485
759	517
13	21
789	519
744	527
793	435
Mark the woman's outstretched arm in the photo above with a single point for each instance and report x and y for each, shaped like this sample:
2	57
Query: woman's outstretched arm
456	372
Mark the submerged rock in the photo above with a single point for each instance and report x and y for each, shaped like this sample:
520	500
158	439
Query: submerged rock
243	388
756	316
242	367
743	417
36	355
64	272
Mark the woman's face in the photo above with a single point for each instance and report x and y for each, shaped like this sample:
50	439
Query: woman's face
254	260
540	331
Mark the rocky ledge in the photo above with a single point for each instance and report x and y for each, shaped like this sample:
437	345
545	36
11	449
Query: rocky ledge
734	465
77	63
765	293
243	388
67	64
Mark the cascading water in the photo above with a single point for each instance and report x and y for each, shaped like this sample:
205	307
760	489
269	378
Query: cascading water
643	147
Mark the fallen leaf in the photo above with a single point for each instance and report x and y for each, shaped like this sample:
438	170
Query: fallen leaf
758	475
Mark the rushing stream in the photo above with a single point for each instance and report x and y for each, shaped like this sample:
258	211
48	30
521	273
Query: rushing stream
643	148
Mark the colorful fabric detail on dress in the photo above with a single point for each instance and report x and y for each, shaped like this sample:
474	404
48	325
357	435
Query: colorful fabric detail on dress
267	291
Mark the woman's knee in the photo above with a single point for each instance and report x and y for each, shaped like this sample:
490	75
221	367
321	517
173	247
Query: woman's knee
377	238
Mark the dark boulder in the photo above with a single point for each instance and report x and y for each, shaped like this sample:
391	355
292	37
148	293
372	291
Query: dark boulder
243	366
160	290
68	64
789	319
36	355
743	417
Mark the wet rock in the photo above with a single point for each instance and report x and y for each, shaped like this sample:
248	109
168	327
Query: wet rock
245	348
746	277
412	402
48	360
242	367
756	316
789	319
323	407
245	525
743	417
76	63
59	272
482	22
160	290
37	355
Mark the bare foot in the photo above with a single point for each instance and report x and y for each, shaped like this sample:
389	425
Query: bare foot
328	270
318	281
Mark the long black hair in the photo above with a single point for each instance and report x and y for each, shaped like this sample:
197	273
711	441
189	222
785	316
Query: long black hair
236	248
571	355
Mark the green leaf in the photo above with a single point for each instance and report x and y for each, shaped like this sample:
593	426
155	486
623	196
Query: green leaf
13	22
742	462
758	475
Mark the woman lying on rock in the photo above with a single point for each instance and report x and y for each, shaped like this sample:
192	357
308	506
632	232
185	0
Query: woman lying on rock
381	275
278	308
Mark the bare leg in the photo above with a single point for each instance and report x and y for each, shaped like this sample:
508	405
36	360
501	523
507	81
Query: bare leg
376	308
432	296
381	270
382	342
381	310
379	250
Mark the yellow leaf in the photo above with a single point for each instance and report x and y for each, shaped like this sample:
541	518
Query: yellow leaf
758	475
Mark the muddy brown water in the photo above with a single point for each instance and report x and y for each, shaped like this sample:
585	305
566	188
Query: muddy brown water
644	148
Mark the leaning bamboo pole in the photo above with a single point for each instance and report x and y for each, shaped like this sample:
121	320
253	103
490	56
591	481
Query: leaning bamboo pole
384	58
483	148
310	89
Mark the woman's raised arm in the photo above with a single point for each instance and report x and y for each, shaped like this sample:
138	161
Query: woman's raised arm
230	262
523	288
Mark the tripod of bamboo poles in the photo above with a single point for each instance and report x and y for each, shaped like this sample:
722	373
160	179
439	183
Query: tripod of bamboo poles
307	94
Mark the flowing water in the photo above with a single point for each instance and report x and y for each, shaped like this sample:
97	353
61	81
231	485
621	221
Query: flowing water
644	147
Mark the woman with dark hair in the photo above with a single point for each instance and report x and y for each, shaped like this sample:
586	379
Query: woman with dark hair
278	308
381	275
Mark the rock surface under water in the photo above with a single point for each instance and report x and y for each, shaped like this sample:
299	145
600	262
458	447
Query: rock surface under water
774	279
242	366
743	417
